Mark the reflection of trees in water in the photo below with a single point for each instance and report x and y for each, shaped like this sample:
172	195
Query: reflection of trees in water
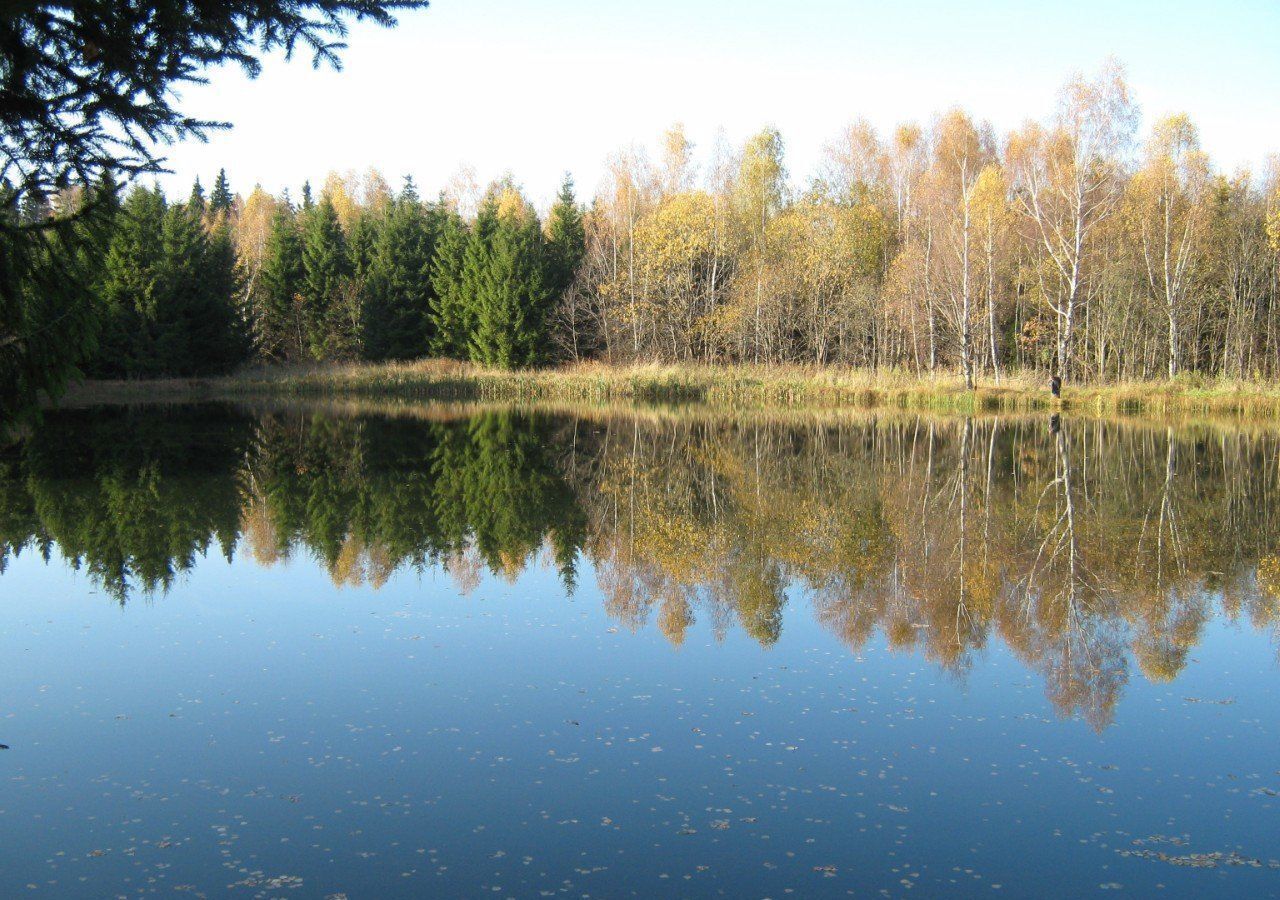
132	498
1081	546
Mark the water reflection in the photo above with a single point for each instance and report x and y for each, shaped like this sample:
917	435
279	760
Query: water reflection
1085	547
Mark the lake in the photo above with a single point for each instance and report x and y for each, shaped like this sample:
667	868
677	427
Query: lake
484	651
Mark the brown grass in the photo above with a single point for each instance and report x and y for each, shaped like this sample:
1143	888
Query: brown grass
729	387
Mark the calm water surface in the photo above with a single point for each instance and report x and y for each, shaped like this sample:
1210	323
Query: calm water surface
508	653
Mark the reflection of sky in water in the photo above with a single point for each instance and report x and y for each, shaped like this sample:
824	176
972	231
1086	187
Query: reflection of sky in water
258	725
291	723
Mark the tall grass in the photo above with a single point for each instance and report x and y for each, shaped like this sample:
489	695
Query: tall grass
742	387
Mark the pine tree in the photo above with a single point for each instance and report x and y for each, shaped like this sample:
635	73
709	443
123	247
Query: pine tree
326	286
221	197
307	202
398	287
566	240
278	328
450	308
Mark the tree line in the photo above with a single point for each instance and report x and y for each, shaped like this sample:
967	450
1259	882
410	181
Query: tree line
202	286
1061	247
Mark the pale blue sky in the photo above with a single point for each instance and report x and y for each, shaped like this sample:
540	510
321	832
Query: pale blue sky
539	88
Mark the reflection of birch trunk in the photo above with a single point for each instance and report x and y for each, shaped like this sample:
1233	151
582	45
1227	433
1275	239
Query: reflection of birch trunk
986	519
1069	520
1168	537
1060	548
961	606
924	495
1168	510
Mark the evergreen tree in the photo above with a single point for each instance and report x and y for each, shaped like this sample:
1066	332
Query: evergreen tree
512	295
94	232
196	201
451	306
278	326
221	198
398	288
307	202
166	292
566	240
410	190
331	323
181	309
220	335
130	286
361	240
48	320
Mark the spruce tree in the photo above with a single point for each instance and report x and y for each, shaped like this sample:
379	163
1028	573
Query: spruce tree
221	337
45	296
183	316
512	295
196	200
130	288
220	198
566	240
94	231
278	326
398	287
326	286
307	202
361	239
450	309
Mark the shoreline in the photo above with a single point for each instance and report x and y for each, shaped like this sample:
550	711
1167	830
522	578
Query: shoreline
744	388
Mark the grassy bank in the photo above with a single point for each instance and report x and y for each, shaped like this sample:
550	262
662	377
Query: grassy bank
732	387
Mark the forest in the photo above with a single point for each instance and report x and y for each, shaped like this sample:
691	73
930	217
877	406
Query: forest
1065	246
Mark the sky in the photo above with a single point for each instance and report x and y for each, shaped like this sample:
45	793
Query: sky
538	89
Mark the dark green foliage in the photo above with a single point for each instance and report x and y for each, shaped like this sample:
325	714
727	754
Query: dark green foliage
330	298
221	335
450	308
196	201
279	331
130	286
361	240
132	496
508	285
566	240
167	294
136	496
398	286
48	321
220	198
